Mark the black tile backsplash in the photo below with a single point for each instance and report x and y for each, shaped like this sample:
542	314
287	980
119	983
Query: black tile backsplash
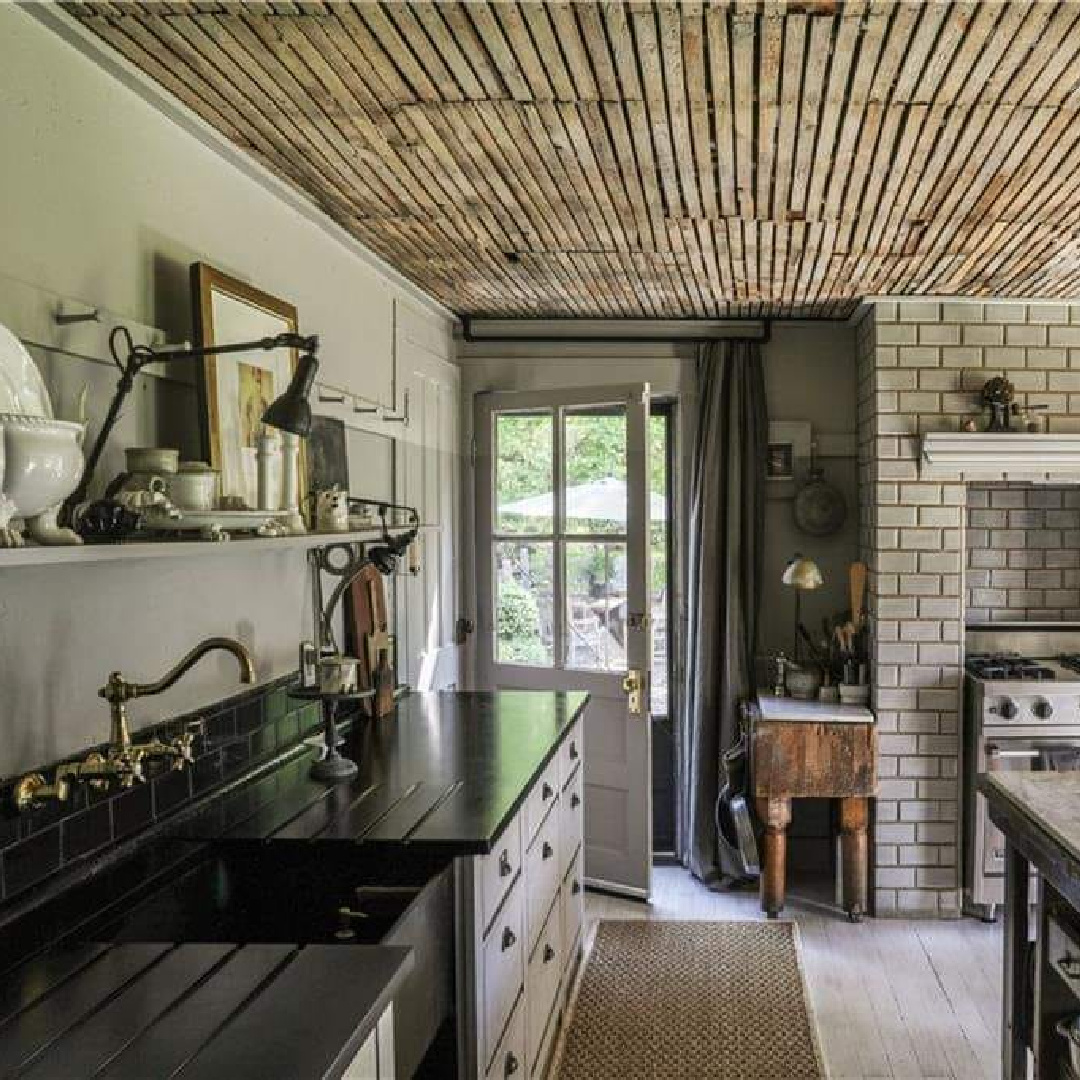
230	738
86	832
30	860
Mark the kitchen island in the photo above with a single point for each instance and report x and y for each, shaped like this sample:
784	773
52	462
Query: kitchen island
446	876
1039	815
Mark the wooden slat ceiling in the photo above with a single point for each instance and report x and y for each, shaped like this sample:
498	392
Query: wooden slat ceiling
655	159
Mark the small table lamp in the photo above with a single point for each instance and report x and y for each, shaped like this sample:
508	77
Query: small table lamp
802	575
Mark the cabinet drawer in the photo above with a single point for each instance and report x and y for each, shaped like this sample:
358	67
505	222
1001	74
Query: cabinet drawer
541	798
570	754
542	984
572	902
542	878
571	821
498	869
509	1060
504	969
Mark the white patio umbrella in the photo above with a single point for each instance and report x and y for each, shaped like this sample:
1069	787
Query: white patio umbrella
599	500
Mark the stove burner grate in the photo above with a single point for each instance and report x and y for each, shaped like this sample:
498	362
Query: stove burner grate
1002	667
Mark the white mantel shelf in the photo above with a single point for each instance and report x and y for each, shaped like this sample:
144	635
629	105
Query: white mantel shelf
1000	456
83	554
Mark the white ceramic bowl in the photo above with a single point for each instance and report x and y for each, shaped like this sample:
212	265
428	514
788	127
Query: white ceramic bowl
43	461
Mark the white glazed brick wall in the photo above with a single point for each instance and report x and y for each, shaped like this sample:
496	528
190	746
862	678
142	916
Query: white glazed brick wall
1023	553
921	364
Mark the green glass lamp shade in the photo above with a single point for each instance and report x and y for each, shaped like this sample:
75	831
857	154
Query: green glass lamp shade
292	412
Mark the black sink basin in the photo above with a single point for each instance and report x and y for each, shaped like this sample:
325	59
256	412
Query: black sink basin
278	894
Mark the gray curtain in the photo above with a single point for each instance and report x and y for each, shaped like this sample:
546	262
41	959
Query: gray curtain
727	502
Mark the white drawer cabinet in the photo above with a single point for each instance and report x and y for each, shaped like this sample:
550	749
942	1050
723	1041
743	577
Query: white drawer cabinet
571	821
542	983
498	870
509	1059
541	799
504	967
572	901
543	873
569	754
519	920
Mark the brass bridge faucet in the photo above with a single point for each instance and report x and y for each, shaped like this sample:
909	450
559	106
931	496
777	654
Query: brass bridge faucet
124	760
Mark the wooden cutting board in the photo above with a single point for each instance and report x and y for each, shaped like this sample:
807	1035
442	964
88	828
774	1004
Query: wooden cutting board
367	638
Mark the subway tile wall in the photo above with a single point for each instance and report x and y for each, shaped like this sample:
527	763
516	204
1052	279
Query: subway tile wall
921	366
233	735
1023	553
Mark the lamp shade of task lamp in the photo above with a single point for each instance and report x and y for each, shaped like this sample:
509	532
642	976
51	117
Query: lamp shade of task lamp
802	575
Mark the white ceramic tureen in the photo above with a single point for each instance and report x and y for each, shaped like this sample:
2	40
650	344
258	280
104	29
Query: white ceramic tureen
41	458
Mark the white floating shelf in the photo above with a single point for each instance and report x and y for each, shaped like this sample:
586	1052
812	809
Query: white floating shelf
998	455
82	554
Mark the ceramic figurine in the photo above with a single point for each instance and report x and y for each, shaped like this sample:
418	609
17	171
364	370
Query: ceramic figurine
332	511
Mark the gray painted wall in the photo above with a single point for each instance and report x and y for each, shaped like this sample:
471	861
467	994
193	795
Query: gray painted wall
104	200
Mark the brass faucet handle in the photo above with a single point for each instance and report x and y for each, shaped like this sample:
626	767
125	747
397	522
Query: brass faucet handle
34	790
117	689
184	745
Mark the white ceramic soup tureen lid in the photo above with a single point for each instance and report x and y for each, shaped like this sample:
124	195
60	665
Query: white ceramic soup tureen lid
22	390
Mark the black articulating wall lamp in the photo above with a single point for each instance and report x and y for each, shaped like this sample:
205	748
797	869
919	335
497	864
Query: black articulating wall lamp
290	412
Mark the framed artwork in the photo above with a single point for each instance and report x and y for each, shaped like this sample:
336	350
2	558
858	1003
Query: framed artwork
789	449
237	388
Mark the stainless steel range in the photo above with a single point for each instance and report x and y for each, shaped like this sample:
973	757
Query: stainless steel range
1021	711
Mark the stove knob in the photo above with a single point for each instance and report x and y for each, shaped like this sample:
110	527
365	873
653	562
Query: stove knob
1007	708
1042	708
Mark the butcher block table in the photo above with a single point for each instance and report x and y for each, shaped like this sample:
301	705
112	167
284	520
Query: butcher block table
813	750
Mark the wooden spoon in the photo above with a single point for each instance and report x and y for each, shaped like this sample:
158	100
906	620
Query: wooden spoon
857	579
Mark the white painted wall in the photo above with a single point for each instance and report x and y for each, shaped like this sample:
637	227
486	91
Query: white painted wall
105	200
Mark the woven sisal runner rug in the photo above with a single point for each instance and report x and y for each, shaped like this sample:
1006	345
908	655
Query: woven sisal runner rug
692	1001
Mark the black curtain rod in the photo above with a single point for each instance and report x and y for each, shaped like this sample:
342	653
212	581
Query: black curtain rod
620	339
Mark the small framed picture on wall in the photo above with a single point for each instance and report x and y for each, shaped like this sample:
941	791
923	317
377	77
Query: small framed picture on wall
789	446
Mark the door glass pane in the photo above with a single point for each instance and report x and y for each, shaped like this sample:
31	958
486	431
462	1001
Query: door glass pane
595	471
524	450
658	560
596	606
524	603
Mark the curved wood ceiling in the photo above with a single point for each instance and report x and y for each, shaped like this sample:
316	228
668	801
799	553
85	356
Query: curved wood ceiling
655	159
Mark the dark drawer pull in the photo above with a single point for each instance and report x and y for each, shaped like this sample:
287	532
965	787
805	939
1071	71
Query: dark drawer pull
546	851
575	800
549	954
546	792
509	938
574	755
505	869
511	1064
575	888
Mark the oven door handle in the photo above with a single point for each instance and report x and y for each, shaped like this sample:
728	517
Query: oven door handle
994	752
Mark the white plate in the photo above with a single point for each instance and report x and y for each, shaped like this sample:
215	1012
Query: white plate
22	390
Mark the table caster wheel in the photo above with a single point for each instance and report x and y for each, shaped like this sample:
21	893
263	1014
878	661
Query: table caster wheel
855	915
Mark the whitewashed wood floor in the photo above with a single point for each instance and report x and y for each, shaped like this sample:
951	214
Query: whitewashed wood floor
891	998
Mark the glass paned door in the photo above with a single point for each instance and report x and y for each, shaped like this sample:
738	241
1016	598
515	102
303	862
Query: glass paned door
565	590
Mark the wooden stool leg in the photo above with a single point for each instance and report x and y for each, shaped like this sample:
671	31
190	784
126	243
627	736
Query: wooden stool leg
776	814
853	817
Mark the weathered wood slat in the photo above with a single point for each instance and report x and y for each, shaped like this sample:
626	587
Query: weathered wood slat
705	158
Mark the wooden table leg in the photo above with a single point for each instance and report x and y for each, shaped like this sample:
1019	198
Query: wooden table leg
776	815
1014	1050
853	818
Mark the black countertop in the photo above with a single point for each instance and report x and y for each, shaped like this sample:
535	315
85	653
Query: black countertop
445	773
132	1012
